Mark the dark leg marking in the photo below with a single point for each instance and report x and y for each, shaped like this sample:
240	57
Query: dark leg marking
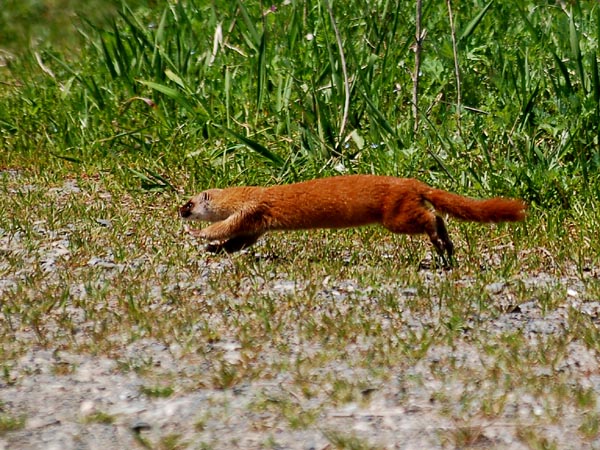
235	244
441	241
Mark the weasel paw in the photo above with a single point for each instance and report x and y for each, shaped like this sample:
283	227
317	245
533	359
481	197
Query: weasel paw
215	247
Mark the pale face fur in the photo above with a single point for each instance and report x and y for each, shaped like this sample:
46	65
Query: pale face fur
201	208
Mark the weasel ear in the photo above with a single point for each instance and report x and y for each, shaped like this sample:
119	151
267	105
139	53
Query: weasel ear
208	195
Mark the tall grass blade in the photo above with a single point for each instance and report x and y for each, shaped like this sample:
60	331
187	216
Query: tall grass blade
156	61
528	107
444	143
262	72
258	148
574	38
568	86
254	34
89	82
152	181
472	25
381	120
176	79
228	95
594	57
137	29
171	93
595	79
543	40
108	59
122	57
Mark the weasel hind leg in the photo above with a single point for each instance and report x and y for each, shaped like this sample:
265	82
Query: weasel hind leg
419	221
441	241
232	245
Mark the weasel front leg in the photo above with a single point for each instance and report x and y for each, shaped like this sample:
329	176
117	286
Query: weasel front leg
219	231
234	233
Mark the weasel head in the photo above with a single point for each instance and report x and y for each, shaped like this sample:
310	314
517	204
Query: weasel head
203	207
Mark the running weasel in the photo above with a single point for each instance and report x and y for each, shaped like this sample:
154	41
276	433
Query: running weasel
402	205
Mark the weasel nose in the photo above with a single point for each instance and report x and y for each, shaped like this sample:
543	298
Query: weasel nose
186	210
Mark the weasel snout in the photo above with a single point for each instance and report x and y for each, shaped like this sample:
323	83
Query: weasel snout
186	210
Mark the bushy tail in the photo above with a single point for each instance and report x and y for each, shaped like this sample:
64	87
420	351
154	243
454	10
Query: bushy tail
465	208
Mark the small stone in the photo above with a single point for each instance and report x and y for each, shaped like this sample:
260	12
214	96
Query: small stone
495	288
139	426
99	262
41	422
104	222
87	408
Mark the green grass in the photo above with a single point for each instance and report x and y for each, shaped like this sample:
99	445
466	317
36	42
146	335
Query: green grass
99	417
118	120
10	423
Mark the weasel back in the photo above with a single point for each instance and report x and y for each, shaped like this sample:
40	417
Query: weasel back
336	202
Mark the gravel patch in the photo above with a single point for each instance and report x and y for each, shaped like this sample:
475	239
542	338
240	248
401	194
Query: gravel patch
82	401
288	392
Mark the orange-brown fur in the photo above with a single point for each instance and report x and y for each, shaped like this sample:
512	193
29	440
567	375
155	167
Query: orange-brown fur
402	205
